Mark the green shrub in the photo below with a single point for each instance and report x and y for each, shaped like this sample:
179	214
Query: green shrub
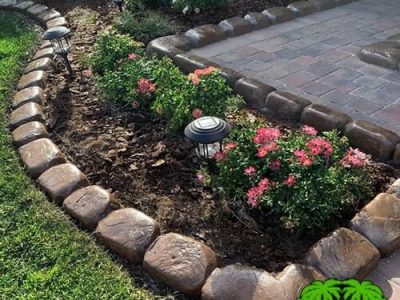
302	180
109	49
150	83
145	26
191	5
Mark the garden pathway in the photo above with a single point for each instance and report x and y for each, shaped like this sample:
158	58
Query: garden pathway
387	276
316	57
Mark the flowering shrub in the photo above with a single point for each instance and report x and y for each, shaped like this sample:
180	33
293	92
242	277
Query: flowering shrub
302	179
143	82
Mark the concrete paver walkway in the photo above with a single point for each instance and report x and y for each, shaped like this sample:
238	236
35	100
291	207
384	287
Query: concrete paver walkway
387	276
316	57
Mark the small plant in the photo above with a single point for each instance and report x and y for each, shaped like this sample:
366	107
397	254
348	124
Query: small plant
144	26
196	5
302	179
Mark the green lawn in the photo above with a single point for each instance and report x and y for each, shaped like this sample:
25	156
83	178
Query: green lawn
42	254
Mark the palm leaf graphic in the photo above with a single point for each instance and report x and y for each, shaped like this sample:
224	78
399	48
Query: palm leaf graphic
366	290
318	290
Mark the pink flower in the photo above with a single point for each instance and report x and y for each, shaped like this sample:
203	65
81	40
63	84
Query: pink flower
145	86
290	181
229	146
135	104
309	130
254	193
194	78
218	156
250	171
132	56
87	73
266	135
201	177
354	158
318	146
197	113
303	158
206	71
275	165
265	149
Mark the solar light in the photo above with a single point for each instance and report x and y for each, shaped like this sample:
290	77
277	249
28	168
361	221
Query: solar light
119	3
58	37
207	133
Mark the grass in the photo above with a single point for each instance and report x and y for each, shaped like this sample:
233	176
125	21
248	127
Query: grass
42	254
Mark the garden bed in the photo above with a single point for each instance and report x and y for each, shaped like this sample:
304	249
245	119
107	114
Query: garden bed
146	167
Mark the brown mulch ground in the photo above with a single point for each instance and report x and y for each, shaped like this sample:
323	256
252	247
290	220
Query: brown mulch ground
145	167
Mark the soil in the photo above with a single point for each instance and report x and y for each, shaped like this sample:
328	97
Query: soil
145	167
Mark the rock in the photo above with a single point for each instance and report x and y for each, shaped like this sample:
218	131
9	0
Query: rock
279	14
26	113
242	283
46	52
343	2
286	105
395	37
324	118
21	6
29	132
40	155
344	254
395	188
385	54
37	9
253	91
295	277
204	35
231	76
181	262
7	3
372	139
48	15
59	21
379	222
169	45
302	8
42	64
36	78
60	181
128	232
323	4
257	20
235	26
88	205
31	94
396	155
189	62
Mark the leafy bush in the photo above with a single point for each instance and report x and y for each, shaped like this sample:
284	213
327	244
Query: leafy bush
145	26
143	82
302	179
192	5
109	49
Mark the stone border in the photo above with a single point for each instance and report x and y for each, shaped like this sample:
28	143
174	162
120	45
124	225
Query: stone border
179	261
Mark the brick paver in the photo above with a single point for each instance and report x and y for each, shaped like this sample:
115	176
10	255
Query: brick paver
387	276
316	57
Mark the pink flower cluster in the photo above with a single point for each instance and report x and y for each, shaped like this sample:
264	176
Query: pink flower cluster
254	193
290	181
309	130
354	158
250	171
132	56
303	158
197	113
221	155
145	86
275	165
266	137
318	146
195	77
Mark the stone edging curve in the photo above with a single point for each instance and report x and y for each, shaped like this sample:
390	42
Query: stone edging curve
179	261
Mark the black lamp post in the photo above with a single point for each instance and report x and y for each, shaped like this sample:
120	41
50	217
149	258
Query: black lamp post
58	37
207	133
119	3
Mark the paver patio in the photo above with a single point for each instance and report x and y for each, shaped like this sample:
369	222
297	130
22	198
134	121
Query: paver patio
387	276
316	57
